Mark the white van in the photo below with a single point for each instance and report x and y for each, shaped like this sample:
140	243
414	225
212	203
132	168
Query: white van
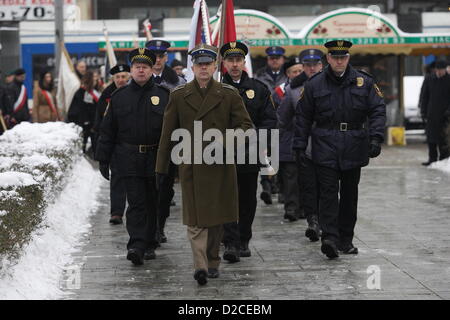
411	94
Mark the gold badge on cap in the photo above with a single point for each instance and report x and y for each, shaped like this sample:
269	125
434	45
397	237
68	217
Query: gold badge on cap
359	81
340	43
250	94
233	45
378	91
155	100
141	51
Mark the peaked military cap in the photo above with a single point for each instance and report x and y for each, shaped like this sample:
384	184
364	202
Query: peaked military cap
19	71
119	68
291	62
203	53
157	45
142	55
235	48
311	55
338	47
441	64
275	51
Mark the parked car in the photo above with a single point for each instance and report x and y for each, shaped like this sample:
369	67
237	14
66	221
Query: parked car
411	94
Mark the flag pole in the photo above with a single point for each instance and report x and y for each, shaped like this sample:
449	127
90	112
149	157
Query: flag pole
221	38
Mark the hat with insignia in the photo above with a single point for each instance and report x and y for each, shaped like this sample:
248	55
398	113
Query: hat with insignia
203	53
159	46
291	62
119	68
142	55
234	48
275	51
338	47
311	55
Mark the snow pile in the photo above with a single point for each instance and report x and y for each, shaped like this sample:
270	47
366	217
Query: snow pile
443	165
47	193
37	273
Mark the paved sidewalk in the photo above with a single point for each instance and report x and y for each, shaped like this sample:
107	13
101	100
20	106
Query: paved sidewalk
403	229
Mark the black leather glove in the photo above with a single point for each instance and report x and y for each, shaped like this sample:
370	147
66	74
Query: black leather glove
374	149
300	158
104	170
160	179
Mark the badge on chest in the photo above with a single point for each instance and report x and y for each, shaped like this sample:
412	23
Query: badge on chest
155	100
250	94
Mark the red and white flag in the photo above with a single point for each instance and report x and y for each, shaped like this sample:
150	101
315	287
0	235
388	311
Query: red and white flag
200	31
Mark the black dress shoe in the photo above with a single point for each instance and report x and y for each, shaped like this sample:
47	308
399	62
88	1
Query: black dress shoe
201	276
266	197
313	232
149	254
231	254
245	250
135	256
291	216
427	163
116	220
348	249
213	273
329	249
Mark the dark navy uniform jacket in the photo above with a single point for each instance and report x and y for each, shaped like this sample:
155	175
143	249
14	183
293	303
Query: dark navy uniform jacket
257	99
348	113
134	117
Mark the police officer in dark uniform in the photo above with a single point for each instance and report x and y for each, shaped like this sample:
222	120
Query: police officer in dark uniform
167	77
129	136
273	76
299	185
258	102
121	76
349	116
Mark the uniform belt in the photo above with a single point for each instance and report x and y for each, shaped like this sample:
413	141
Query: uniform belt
140	148
341	126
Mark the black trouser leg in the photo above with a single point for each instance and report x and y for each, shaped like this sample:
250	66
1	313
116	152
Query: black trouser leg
247	187
443	150
141	212
266	183
118	194
432	152
329	204
237	232
310	189
289	176
348	204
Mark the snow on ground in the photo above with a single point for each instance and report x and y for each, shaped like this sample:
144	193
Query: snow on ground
37	273
443	165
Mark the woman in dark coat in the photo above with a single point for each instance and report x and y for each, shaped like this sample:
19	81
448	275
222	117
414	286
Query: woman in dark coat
83	108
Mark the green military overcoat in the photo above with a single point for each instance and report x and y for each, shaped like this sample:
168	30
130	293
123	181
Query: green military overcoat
209	192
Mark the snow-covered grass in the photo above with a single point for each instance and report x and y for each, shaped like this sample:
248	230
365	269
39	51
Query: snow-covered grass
443	165
39	224
37	273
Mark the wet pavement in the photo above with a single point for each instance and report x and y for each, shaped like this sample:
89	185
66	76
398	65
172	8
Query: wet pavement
402	234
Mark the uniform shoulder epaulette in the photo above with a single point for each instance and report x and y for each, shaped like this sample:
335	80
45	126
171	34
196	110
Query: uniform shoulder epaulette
262	83
228	86
365	73
118	90
162	87
181	86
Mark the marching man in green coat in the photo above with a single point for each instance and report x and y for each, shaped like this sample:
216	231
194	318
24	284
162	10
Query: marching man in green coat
209	191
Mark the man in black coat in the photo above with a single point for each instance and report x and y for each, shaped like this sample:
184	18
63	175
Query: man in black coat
349	116
168	78
121	76
5	108
435	110
129	136
258	102
19	98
